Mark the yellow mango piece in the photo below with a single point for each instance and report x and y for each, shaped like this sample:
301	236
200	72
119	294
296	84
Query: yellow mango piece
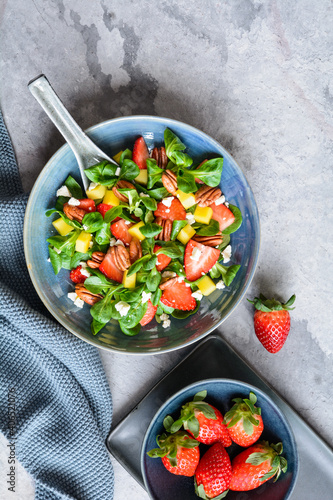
117	157
206	285
203	214
142	178
135	232
62	227
83	241
186	199
129	282
97	193
186	234
110	198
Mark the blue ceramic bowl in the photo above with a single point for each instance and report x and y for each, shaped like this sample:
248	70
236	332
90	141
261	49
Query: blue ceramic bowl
162	485
113	136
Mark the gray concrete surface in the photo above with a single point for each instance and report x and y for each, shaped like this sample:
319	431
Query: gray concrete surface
256	76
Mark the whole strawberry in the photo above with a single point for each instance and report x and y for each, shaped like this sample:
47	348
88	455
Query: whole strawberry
272	321
202	421
179	453
213	474
256	465
244	421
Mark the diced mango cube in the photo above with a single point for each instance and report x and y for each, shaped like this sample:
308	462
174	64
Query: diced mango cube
142	178
117	157
203	214
186	199
135	232
62	227
186	234
129	282
83	241
97	193
110	198
206	285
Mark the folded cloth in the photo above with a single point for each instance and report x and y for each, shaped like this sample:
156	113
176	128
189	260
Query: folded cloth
55	402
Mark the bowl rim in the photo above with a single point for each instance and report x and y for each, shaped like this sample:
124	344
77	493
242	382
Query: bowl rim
256	390
89	131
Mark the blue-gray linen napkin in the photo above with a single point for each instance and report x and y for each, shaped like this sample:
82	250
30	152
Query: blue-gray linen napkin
55	402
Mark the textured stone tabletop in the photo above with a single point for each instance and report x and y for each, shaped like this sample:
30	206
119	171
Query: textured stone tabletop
258	77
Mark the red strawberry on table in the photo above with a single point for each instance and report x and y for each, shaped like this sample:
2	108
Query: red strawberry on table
140	153
198	265
162	260
179	453
87	204
109	268
149	314
175	211
76	276
256	465
244	421
213	474
179	296
223	215
202	420
120	229
272	321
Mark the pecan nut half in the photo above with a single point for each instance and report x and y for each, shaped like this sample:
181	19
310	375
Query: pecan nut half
88	297
166	225
169	180
120	257
209	241
206	195
135	250
74	213
160	156
122	185
96	260
168	283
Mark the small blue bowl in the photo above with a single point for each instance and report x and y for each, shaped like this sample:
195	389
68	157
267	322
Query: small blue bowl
163	485
113	136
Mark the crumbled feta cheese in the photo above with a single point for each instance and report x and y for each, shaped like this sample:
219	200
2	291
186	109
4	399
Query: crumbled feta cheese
117	172
64	191
57	250
145	297
167	211
190	218
91	244
187	284
79	302
127	222
164	316
226	204
49	260
168	274
166	323
195	255
220	200
203	274
122	307
73	202
226	254
180	279
220	285
113	241
84	272
144	195
92	186
72	296
83	264
197	295
167	201
85	227
119	242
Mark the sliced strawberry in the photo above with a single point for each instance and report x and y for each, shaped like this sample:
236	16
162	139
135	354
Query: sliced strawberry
223	215
109	268
120	229
197	267
76	276
140	153
162	260
199	181
176	211
179	296
87	204
149	314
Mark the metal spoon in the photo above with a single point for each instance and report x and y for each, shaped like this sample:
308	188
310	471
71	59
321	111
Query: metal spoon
86	152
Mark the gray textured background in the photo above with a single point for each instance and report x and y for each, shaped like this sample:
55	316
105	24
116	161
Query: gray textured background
256	76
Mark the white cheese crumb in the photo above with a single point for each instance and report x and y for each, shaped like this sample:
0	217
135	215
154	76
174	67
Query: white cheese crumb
220	200
167	211
117	172
83	264
72	296
145	297
195	254
180	279
49	260
197	295
164	316
203	274
57	250
73	202
91	244
168	274
122	307
167	201
119	242
84	272
220	285
190	218
226	254
127	222
113	241
187	284
166	323
144	195
92	186
85	227
226	204
77	301
64	191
